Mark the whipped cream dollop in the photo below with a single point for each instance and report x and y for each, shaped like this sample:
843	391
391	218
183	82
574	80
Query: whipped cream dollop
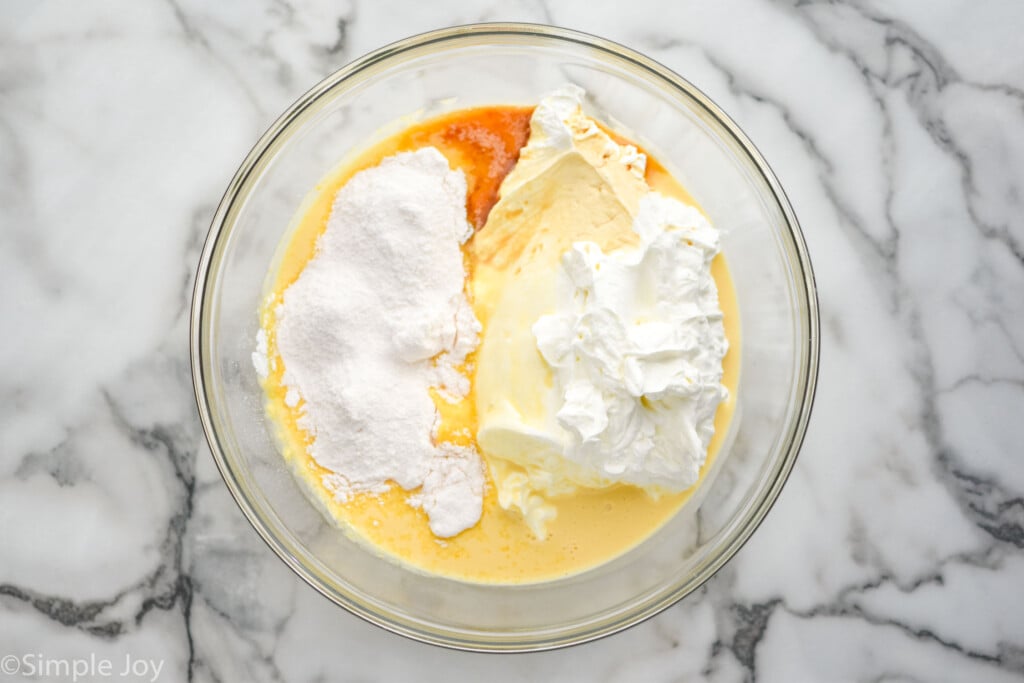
636	345
601	360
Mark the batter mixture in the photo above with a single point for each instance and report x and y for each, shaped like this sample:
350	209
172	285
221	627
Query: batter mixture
549	331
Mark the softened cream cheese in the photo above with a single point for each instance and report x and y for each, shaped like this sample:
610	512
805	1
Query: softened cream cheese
601	362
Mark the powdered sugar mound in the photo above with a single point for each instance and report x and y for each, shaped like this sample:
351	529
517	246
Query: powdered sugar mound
452	490
450	382
259	356
376	319
341	488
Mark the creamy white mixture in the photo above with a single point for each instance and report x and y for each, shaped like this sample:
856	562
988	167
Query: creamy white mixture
627	380
636	345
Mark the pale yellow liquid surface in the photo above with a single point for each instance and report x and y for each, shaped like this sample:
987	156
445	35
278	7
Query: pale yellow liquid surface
592	526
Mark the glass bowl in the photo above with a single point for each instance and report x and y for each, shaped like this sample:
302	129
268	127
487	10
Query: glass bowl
511	64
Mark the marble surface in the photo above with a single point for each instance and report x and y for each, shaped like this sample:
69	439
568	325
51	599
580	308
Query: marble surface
896	551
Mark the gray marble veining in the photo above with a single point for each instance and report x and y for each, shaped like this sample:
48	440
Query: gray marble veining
896	551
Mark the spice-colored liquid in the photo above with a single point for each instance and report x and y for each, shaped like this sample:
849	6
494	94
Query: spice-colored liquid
592	526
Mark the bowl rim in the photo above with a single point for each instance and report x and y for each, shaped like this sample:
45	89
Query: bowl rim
792	437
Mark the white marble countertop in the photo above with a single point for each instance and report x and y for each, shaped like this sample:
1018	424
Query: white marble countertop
896	551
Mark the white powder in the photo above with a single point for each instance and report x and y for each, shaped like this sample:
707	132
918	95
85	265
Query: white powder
259	356
376	319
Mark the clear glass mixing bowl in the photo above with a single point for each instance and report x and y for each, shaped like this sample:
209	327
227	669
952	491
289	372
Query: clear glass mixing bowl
508	64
